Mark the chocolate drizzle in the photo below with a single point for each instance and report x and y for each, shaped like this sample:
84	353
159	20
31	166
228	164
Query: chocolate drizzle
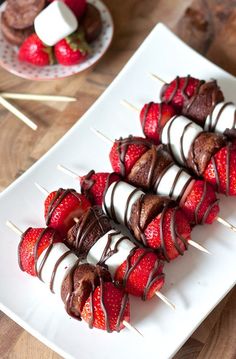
123	146
212	127
57	200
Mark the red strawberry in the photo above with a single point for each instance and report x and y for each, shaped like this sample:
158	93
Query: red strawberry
169	233
141	274
34	51
72	50
221	170
94	184
107	302
27	246
178	90
77	6
201	204
153	117
125	152
62	206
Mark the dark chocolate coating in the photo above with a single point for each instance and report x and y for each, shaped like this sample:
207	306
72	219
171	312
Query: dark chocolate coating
20	14
90	227
201	104
203	149
91	23
79	284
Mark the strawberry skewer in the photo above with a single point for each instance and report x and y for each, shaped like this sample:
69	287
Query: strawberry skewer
92	235
125	221
197	198
86	290
206	154
202	102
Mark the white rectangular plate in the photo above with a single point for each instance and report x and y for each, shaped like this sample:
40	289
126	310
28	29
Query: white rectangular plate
195	282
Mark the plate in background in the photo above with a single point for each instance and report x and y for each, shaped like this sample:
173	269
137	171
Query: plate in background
9	59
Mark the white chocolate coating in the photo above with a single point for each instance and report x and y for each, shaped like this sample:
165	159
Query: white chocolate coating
222	117
178	129
176	179
124	249
124	196
58	249
54	23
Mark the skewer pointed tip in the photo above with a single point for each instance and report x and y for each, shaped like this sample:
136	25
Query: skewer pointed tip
132	328
156	77
129	105
226	223
165	299
41	189
198	246
101	135
14	228
68	171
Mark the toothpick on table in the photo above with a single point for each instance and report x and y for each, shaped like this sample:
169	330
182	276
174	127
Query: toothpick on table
37	97
20	115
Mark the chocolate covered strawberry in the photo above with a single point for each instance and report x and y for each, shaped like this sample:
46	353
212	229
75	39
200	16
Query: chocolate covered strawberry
62	206
153	117
169	233
141	274
107	308
33	242
191	96
93	185
124	154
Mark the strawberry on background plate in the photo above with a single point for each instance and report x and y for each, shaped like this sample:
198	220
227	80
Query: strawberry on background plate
72	50
103	309
32	237
35	52
77	6
62	206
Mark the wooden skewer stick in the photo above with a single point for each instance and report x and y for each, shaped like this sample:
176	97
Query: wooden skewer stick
132	329
37	97
42	189
226	223
20	115
129	105
101	135
165	299
68	172
157	77
14	228
198	246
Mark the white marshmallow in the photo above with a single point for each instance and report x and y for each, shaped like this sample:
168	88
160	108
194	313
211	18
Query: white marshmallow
174	173
176	127
124	249
54	23
58	249
122	194
226	113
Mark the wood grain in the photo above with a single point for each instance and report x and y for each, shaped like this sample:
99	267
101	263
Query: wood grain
209	26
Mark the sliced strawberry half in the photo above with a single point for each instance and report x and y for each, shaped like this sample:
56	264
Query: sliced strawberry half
62	206
153	118
141	274
107	308
34	241
201	204
169	233
125	152
94	185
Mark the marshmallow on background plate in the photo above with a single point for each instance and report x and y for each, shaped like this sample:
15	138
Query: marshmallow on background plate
54	23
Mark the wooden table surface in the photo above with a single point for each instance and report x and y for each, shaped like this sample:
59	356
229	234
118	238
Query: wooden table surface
207	25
